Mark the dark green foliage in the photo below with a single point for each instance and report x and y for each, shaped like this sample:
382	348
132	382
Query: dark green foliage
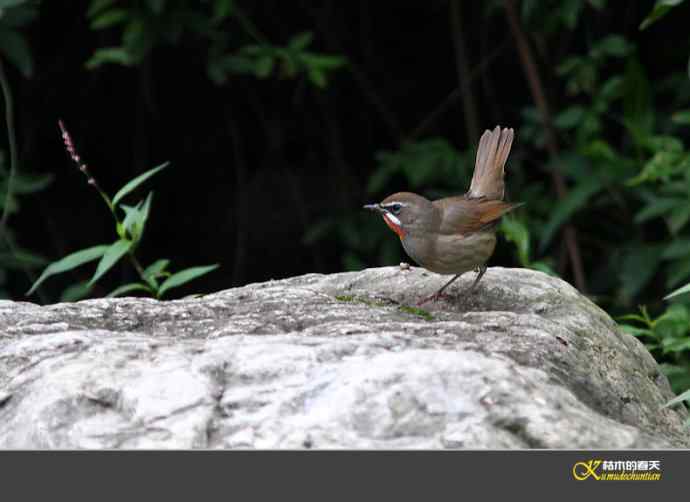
145	25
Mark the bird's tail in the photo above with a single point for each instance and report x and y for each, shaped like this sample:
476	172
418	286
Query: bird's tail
493	150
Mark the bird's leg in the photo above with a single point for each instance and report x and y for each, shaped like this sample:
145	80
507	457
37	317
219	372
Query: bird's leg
480	272
438	293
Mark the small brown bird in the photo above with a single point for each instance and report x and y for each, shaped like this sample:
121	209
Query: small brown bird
456	234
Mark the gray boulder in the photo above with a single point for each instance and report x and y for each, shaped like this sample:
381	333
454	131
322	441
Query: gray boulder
334	361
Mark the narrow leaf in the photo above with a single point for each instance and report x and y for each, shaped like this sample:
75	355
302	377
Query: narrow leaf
69	262
97	6
134	286
110	258
184	276
153	271
679	291
109	18
685	396
137	181
660	9
156	267
301	41
118	55
132	216
75	292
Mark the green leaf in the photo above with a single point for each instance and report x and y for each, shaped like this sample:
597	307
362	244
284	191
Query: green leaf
135	218
184	276
21	259
75	292
155	270
97	6
678	218
69	262
638	108
612	45
112	255
632	317
136	182
660	9
575	200
677	249
300	41
134	286
679	291
317	77
13	45
543	266
657	207
570	117
117	55
678	271
685	396
675	345
263	66
132	213
635	331
516	232
637	268
109	18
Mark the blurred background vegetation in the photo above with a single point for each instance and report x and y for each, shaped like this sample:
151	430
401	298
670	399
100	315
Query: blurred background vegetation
280	119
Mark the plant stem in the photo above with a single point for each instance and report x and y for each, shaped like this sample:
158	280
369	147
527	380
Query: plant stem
137	265
11	138
539	97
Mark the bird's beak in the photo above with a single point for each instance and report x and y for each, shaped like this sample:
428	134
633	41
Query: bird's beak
374	207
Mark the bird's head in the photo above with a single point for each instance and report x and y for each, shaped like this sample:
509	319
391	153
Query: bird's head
405	212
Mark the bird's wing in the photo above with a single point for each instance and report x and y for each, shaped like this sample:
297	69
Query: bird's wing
465	216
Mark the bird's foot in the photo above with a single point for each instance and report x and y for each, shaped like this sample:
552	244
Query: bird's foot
433	298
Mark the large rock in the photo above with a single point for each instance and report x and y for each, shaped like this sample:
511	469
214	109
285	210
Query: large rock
334	361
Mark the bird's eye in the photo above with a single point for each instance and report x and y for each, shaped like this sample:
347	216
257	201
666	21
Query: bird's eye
395	208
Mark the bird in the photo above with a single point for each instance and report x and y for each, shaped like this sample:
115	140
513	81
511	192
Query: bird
455	234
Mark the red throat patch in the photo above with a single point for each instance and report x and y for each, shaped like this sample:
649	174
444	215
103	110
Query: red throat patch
395	228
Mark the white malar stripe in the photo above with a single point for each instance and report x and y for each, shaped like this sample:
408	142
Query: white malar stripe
393	218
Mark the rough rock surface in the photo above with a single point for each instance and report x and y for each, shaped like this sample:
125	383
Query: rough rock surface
334	361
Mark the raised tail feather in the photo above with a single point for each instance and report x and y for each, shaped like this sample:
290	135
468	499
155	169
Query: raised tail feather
492	153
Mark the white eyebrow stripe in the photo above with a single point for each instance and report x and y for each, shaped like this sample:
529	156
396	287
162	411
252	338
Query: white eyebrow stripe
390	204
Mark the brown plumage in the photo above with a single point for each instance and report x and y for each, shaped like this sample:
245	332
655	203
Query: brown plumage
455	234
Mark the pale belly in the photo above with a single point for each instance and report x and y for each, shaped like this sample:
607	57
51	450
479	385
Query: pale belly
452	254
